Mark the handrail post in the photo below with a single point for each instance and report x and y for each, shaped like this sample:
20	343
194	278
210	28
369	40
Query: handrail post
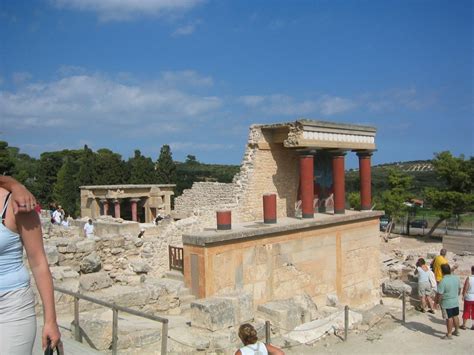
169	257
267	332
403	308
77	327
114	330
346	321
164	338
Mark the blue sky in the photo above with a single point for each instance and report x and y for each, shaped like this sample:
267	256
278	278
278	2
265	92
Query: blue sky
195	74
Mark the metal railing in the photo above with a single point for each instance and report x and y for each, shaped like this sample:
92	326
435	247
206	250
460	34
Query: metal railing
78	332
176	258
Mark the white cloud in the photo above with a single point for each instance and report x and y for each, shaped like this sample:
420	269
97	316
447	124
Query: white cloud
279	104
186	77
330	105
122	10
186	30
192	147
19	78
393	99
78	100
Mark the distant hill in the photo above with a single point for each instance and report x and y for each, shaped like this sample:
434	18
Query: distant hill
414	165
421	171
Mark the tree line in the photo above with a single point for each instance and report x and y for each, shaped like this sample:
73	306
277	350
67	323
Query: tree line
448	189
56	176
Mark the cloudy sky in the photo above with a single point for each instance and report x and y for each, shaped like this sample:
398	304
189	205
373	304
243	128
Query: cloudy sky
194	74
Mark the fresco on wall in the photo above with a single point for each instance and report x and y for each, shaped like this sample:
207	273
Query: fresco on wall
323	185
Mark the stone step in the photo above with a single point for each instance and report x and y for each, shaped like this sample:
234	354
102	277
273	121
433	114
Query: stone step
186	300
174	275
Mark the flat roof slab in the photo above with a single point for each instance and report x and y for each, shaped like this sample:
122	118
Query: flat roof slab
251	230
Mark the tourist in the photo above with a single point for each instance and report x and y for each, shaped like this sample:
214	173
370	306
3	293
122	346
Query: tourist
22	200
425	290
468	297
142	233
436	264
447	295
57	216
89	229
17	301
248	335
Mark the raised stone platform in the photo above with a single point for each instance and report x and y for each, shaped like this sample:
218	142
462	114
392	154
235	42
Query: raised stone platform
259	229
328	254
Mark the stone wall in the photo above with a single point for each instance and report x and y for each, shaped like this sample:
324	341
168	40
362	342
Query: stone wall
340	259
265	168
203	196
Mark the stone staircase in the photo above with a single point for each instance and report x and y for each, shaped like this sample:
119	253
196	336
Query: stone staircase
184	293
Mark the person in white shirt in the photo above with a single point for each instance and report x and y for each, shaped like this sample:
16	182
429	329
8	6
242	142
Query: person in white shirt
89	229
57	216
252	346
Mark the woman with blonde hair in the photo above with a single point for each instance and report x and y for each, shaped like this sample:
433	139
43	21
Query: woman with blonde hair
252	346
17	302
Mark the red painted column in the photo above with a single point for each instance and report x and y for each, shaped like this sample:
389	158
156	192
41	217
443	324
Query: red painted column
224	220
105	206
365	180
133	205
117	208
338	182
307	185
269	208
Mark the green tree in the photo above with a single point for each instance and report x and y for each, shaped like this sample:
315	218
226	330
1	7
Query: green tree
457	197
165	166
6	162
66	190
87	162
109	169
354	200
142	169
393	200
48	168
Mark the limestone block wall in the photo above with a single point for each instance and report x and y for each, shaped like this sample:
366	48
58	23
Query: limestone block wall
206	196
274	170
265	168
339	259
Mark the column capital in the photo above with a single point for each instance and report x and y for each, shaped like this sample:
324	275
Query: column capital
135	199
364	153
104	200
116	200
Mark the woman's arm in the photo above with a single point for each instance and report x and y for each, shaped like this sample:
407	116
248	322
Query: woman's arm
29	227
465	288
273	350
23	200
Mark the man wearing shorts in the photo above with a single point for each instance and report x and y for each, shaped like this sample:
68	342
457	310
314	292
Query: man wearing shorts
447	295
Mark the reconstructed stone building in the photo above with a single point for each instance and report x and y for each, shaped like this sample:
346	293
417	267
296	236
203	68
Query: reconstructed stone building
316	246
139	203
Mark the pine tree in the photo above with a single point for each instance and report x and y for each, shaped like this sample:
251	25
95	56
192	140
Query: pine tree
66	189
165	166
142	169
110	169
87	162
6	162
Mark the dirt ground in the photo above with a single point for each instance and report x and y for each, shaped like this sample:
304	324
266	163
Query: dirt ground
421	333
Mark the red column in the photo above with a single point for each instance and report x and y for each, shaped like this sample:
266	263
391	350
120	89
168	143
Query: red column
224	220
307	185
133	205
269	208
339	183
117	208
105	207
365	180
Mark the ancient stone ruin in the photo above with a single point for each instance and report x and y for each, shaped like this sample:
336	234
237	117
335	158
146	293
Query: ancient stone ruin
291	252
